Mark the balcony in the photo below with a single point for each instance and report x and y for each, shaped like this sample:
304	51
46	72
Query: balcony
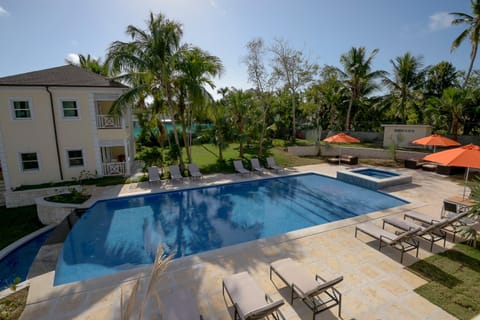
108	122
114	168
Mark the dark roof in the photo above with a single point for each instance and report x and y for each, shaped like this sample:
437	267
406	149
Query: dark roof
64	76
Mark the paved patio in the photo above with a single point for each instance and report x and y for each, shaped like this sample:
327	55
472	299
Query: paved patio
375	285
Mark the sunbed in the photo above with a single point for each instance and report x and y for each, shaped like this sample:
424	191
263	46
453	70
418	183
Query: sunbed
238	165
249	300
194	172
175	172
403	242
153	175
256	165
453	227
430	232
272	165
317	293
179	305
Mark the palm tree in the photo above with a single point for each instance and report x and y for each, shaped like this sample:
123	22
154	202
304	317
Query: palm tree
407	78
196	67
452	101
358	77
91	64
149	62
239	103
472	32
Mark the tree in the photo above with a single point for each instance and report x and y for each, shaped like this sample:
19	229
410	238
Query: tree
358	78
263	81
294	70
439	77
407	78
452	102
472	31
157	65
196	67
239	102
91	64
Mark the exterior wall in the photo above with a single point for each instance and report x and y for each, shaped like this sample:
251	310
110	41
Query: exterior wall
401	135
37	134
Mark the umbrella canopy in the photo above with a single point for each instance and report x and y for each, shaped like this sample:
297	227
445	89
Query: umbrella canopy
436	140
341	138
465	156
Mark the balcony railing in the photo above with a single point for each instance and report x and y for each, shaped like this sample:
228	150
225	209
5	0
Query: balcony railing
114	168
108	122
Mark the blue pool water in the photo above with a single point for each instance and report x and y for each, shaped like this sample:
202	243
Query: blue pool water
17	263
125	232
375	173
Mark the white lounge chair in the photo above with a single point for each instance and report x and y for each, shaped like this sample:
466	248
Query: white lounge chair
175	172
256	165
194	171
272	165
403	242
317	293
249	300
430	232
153	174
238	165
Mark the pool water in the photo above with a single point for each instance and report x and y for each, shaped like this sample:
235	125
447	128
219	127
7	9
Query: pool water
125	232
17	263
378	174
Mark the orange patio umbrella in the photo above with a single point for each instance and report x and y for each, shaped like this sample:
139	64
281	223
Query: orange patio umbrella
341	138
465	156
436	140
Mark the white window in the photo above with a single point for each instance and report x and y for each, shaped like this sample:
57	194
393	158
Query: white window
75	158
29	161
70	109
21	108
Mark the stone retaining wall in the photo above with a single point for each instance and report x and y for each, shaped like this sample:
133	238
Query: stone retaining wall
53	212
27	197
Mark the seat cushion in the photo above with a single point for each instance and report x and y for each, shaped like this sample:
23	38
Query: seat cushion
245	292
294	274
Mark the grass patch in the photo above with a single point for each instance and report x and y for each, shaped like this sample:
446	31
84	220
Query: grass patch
100	182
17	223
11	307
454	278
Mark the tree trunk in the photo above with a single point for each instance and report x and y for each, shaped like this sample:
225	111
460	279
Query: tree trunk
454	127
294	127
262	132
349	110
472	60
174	127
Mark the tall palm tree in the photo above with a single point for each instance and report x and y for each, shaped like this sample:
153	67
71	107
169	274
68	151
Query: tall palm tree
407	77
453	101
239	102
196	69
358	77
149	62
91	64
472	31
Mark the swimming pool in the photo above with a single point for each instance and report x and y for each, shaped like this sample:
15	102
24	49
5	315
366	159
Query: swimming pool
17	261
373	178
124	233
375	173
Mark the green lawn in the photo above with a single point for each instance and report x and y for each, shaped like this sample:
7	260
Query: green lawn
454	280
16	223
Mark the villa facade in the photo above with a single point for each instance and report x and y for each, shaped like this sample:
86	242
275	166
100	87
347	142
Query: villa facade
55	124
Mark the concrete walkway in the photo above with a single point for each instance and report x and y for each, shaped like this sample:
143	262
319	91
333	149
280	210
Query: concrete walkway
375	286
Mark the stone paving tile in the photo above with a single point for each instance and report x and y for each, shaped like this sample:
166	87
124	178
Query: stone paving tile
375	285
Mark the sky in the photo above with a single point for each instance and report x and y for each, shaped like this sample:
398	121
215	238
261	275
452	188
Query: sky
36	35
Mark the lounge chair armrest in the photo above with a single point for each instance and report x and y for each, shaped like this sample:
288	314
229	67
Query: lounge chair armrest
264	310
327	284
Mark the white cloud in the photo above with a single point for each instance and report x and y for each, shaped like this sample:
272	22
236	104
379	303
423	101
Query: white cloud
440	21
213	3
3	12
72	57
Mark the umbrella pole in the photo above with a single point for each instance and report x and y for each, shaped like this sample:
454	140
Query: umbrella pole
465	183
